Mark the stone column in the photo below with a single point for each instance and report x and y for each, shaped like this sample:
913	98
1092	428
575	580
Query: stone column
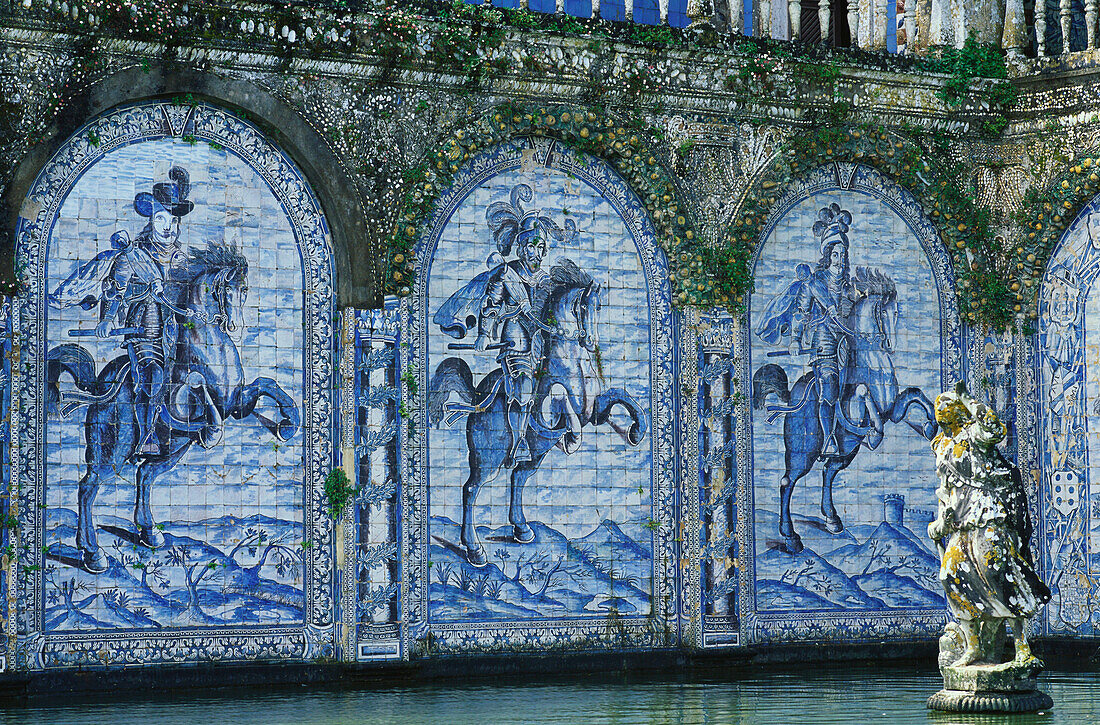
922	16
1014	39
943	18
763	19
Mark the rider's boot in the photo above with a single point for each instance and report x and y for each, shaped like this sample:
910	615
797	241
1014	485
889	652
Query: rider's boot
826	414
150	443
517	427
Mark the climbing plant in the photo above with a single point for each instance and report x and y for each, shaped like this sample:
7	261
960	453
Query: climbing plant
980	263
623	143
976	72
1044	216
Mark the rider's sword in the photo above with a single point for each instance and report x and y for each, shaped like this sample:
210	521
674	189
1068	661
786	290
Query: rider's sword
471	346
112	333
781	353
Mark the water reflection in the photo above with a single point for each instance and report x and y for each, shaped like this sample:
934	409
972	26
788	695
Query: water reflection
851	694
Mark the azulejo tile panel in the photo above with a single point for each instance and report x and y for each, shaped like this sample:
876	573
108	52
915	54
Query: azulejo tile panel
541	331
175	397
851	333
1062	378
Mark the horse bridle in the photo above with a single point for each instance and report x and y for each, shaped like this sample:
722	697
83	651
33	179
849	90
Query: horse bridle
222	318
556	331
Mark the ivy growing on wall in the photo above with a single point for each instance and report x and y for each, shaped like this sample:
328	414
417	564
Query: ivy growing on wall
1045	215
721	275
979	259
621	143
977	71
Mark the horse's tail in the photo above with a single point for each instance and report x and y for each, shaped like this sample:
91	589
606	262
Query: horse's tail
452	376
77	362
768	380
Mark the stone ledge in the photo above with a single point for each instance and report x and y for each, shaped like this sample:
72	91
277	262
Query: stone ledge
1006	677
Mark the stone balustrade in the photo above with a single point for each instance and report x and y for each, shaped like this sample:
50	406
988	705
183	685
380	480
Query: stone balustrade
1049	28
1045	29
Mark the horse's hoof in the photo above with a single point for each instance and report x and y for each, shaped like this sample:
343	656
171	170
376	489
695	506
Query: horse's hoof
150	538
210	437
570	443
94	562
792	545
286	430
522	533
476	557
833	524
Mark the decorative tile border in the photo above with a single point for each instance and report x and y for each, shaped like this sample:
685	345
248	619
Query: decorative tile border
423	636
372	343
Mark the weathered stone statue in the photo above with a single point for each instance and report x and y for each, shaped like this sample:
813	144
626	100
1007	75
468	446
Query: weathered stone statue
983	534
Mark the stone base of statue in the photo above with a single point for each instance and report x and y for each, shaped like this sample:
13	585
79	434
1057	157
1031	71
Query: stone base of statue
1003	687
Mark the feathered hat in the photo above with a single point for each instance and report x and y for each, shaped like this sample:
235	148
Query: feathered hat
831	226
169	196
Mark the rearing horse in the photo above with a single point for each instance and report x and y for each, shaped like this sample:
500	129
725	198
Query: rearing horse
869	397
569	394
205	387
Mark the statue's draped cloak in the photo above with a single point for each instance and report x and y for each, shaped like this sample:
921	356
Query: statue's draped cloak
987	569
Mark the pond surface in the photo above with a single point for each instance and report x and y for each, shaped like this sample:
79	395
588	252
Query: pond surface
834	694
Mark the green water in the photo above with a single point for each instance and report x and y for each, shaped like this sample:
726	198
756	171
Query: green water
835	694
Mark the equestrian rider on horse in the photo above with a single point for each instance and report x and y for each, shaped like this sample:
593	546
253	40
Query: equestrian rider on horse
816	306
502	300
508	322
132	278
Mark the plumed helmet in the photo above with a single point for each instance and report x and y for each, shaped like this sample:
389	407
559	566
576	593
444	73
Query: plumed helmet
832	225
511	226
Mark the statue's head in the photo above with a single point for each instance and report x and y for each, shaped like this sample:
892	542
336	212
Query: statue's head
951	413
956	411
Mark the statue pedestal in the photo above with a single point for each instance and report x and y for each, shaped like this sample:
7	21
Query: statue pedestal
1005	687
960	701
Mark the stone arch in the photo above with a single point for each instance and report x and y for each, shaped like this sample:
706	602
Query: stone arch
356	271
623	144
279	246
963	230
1050	215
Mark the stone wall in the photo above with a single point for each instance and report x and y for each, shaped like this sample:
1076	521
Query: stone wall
200	341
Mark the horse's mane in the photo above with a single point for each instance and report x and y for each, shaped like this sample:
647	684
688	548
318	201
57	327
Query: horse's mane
563	275
874	282
213	257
